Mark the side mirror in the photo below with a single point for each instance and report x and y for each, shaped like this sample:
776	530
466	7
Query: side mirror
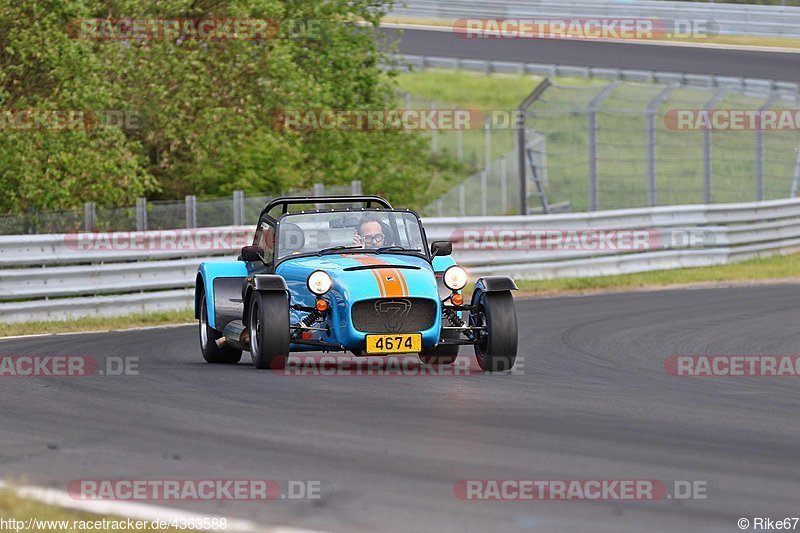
252	254
441	248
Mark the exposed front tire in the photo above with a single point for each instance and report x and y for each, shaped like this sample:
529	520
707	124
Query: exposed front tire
496	350
441	355
269	329
208	345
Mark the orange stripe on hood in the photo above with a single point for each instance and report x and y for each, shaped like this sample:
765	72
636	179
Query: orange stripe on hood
391	281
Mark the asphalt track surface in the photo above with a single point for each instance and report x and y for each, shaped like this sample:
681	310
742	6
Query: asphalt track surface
593	401
691	60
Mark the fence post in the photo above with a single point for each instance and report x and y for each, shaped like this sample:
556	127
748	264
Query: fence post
796	178
89	216
522	163
503	185
760	149
434	133
462	200
439	208
319	190
594	200
652	109
484	193
238	208
191	211
460	144
355	188
487	144
708	167
141	214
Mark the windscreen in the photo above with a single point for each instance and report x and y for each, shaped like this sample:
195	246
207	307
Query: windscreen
303	233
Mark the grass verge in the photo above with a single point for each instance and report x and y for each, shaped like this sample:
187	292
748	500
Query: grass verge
99	323
52	518
778	268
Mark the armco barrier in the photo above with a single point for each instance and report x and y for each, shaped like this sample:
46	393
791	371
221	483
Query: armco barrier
44	277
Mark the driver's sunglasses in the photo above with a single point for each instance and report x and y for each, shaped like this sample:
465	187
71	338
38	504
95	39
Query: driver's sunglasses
378	238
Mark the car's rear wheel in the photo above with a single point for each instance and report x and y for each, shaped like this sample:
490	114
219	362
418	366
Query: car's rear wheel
444	354
496	350
208	342
269	329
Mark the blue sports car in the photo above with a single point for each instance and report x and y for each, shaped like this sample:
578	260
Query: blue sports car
358	277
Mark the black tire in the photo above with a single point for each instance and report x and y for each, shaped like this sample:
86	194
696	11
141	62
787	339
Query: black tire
497	351
269	329
208	345
441	355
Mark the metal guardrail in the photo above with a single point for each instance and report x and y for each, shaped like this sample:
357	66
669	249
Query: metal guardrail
750	86
732	19
45	278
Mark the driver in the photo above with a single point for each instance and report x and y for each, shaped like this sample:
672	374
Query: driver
369	233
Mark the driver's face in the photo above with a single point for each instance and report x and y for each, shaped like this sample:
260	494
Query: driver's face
371	234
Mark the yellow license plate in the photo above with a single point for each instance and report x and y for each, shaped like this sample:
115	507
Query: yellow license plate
397	343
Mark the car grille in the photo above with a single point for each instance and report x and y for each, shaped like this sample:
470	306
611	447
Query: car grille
394	315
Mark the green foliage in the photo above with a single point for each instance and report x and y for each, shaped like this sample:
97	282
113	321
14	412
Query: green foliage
204	108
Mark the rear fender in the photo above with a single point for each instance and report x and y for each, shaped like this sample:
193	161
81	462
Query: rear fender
221	282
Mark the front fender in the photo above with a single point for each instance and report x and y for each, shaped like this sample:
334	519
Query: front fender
495	284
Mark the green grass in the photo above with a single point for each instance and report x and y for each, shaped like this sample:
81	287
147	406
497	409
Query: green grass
98	323
785	267
14	507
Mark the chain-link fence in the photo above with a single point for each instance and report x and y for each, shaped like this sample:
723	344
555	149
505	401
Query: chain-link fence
601	145
239	209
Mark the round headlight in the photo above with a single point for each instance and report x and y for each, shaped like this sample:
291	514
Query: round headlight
319	282
455	278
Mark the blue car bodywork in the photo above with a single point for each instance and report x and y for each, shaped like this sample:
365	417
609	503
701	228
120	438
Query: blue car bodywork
398	289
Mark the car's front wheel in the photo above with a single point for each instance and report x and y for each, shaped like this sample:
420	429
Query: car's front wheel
208	342
269	329
496	350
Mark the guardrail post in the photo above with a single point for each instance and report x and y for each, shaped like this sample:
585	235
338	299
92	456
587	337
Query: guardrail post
652	109
355	188
796	177
439	208
89	216
238	208
141	214
594	190
191	211
708	167
503	185
760	149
